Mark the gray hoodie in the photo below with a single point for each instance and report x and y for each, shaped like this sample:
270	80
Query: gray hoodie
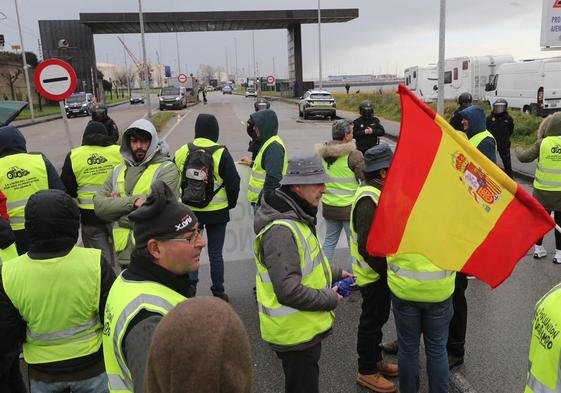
280	256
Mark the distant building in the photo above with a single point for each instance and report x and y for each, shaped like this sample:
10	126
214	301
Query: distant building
116	73
359	78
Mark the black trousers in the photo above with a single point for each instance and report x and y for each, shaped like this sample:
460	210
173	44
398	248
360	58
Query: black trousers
301	370
504	153
11	380
458	324
376	303
557	217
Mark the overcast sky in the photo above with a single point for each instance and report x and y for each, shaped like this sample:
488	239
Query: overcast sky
388	35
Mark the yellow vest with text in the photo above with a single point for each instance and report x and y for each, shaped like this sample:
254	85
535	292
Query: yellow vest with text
91	166
21	175
220	199
548	169
478	138
122	235
8	253
258	174
544	358
58	298
363	272
341	191
284	325
126	299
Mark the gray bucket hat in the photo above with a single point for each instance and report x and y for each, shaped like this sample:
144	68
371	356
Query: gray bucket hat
305	170
377	157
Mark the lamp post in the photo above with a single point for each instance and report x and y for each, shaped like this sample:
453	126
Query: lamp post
236	56
146	78
178	58
441	47
25	66
319	42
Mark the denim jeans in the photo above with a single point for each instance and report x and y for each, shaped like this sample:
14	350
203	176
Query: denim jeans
431	320
333	230
92	385
216	234
100	237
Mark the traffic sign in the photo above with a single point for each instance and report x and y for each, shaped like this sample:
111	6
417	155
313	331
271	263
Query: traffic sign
271	80
55	79
182	78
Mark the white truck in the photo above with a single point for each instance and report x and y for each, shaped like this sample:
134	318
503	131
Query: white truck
422	81
533	86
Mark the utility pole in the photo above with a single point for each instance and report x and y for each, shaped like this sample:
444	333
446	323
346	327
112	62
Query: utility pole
146	77
178	58
253	40
441	47
127	69
274	73
319	42
236	55
25	66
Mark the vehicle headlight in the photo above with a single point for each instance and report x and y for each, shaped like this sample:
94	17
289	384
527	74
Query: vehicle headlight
161	98
307	103
84	105
177	98
66	107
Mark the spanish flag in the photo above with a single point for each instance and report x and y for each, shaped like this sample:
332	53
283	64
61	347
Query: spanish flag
445	200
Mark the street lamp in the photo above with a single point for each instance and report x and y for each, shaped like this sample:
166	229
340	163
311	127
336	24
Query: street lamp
236	56
319	42
146	78
441	47
25	66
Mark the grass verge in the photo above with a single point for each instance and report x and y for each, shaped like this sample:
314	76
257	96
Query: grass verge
160	119
46	111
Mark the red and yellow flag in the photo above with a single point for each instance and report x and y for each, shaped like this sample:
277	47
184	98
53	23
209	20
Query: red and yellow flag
445	200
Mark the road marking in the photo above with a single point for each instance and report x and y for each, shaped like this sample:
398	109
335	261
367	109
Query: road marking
460	383
176	124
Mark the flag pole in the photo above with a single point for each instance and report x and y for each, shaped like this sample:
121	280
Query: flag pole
441	47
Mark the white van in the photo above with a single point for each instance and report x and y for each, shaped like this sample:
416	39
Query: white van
422	81
532	86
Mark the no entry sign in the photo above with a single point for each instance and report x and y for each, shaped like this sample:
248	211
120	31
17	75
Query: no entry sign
55	79
270	80
182	78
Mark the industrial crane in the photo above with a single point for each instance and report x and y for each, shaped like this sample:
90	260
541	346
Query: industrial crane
139	65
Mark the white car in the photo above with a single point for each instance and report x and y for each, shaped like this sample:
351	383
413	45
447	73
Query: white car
317	102
250	92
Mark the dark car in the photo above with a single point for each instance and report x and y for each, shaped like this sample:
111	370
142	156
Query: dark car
137	98
79	104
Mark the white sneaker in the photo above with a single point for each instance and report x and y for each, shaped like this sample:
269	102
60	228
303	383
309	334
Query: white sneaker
540	252
557	257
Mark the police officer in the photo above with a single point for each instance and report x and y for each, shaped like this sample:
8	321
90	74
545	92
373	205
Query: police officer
501	125
255	142
85	169
464	100
367	129
99	113
545	345
51	297
168	246
294	278
371	275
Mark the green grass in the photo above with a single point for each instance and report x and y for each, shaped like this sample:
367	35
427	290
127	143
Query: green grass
160	119
47	110
115	100
388	107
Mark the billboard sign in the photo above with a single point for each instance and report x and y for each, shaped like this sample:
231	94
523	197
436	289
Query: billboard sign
551	25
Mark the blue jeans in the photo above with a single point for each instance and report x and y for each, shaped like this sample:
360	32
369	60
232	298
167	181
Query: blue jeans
92	385
216	234
333	230
431	320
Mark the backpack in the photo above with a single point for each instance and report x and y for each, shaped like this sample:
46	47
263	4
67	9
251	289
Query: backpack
197	178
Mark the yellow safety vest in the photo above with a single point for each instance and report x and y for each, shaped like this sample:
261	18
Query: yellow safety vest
283	325
126	299
122	235
341	191
364	273
91	166
478	138
21	175
258	174
58	298
544	361
548	169
8	253
220	199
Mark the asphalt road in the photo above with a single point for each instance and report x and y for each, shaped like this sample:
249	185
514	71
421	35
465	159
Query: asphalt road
499	322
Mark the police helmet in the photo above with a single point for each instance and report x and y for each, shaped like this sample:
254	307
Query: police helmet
366	108
465	99
261	103
500	106
99	112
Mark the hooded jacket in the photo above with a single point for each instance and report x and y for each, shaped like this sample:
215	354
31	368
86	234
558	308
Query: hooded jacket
273	157
280	256
456	120
330	152
477	123
111	208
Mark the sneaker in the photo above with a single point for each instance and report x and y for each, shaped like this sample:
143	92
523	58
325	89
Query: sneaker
540	252
387	369
376	382
455	361
389	347
222	296
557	257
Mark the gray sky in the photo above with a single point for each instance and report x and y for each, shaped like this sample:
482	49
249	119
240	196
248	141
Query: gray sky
388	36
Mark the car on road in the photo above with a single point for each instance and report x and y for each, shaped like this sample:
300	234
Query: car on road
79	104
172	97
227	89
250	92
317	103
210	88
137	98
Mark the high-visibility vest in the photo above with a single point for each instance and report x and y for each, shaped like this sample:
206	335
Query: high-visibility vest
548	169
364	273
122	235
58	298
21	175
341	191
8	253
544	361
478	138
258	174
125	300
413	277
220	199
91	166
284	325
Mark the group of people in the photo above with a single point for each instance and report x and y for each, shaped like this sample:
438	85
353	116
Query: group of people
84	329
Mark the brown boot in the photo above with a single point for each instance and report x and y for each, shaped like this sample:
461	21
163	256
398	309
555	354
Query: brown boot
376	382
387	369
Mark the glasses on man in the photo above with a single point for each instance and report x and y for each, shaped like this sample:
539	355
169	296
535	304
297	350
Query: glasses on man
190	239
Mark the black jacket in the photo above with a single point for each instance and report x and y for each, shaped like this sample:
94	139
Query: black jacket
111	127
6	235
366	141
501	126
456	120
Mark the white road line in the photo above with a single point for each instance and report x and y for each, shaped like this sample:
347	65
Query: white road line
176	124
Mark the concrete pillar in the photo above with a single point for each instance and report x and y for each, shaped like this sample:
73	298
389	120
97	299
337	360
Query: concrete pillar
295	74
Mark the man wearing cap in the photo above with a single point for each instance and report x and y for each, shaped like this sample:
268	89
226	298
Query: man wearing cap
371	275
84	171
52	300
168	246
125	189
344	164
294	278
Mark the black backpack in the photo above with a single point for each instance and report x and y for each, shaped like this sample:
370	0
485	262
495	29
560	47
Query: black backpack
197	179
